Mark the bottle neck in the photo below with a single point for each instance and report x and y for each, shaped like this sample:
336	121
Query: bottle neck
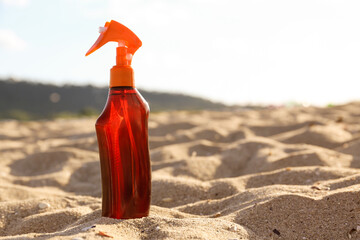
121	76
114	91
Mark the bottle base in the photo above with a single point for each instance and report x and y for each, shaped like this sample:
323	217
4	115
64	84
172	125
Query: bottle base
140	215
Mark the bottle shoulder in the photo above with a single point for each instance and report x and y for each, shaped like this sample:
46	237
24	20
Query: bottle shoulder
123	104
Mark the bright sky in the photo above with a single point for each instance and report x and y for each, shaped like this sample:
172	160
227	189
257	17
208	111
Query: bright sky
234	51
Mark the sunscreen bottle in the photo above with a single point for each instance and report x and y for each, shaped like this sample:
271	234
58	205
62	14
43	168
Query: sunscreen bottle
122	132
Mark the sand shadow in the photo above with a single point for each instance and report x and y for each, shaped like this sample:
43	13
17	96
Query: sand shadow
85	180
267	131
41	163
165	129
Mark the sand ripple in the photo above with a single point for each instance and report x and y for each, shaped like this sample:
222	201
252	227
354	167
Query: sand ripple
269	174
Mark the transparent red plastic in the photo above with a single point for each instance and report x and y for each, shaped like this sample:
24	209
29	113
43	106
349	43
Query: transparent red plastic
122	133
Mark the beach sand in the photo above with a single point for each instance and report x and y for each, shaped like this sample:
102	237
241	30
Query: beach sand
287	173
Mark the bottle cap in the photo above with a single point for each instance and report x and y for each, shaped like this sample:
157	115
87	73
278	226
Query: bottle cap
122	73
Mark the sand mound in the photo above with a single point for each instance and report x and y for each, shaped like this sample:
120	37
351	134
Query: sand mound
269	174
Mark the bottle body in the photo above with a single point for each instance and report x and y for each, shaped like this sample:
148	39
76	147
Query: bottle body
122	133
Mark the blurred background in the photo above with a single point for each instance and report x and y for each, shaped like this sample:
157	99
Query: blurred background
196	54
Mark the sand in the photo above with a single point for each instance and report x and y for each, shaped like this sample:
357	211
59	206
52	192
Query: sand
251	174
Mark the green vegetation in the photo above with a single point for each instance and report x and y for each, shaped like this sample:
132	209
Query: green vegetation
88	112
27	100
19	115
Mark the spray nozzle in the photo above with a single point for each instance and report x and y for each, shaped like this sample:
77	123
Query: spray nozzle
127	41
121	74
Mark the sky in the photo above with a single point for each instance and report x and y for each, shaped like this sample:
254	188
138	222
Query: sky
232	51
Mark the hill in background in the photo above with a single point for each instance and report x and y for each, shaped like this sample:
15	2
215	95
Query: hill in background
28	100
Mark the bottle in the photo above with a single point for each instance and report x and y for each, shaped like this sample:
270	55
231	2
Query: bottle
122	132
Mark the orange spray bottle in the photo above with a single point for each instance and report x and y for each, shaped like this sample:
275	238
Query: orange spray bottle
122	132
